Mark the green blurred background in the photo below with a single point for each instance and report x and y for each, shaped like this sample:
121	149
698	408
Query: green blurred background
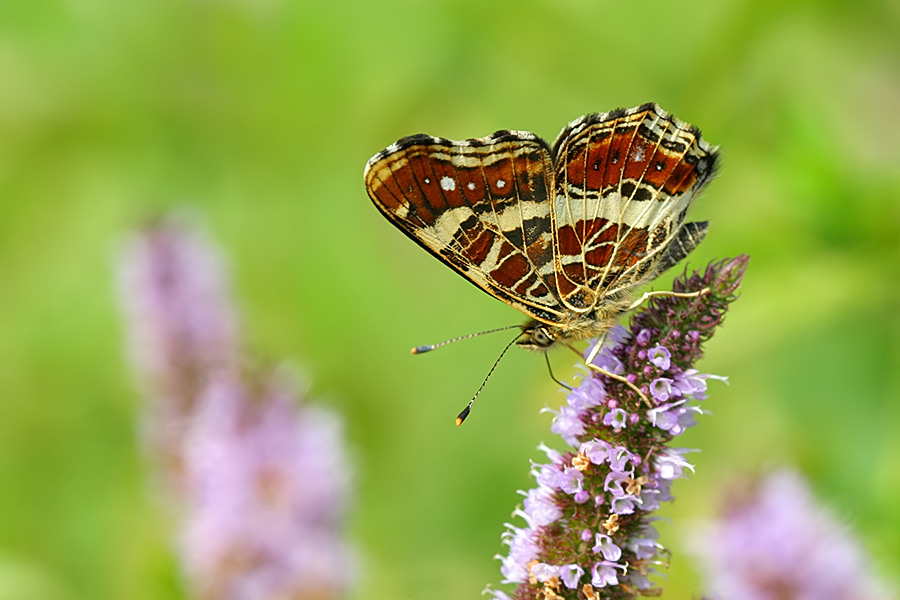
260	114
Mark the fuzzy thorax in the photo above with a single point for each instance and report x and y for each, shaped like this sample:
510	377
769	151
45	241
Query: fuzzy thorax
540	336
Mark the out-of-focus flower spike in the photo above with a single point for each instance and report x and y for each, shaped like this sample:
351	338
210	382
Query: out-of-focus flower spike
267	481
261	481
175	295
774	540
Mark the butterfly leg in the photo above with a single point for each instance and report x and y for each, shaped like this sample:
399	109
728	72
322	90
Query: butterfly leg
648	295
624	380
552	376
589	361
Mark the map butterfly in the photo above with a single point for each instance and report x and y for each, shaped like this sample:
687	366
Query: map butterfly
564	233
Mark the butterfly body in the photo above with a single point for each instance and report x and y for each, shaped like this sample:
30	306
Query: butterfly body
565	234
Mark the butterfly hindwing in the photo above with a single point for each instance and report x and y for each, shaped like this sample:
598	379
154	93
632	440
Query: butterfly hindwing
623	183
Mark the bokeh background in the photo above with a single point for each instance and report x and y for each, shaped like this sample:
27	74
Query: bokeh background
260	114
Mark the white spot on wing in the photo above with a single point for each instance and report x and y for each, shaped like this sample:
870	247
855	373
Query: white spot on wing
501	183
448	184
470	185
638	154
427	180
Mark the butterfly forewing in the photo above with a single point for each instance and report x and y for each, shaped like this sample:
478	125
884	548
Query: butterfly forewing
623	183
481	206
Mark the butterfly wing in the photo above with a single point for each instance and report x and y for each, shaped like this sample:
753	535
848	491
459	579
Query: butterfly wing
481	206
624	181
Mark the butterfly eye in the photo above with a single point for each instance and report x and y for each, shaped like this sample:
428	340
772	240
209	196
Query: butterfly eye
540	337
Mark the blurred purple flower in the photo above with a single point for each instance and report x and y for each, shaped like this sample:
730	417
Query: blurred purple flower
260	481
775	542
181	324
620	451
267	492
180	327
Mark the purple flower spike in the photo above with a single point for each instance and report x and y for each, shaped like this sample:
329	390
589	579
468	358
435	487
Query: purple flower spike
775	536
620	455
260	480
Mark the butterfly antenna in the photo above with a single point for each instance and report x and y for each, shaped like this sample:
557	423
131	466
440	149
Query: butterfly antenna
465	412
429	348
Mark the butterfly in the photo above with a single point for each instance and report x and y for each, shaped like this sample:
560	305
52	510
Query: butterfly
564	233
